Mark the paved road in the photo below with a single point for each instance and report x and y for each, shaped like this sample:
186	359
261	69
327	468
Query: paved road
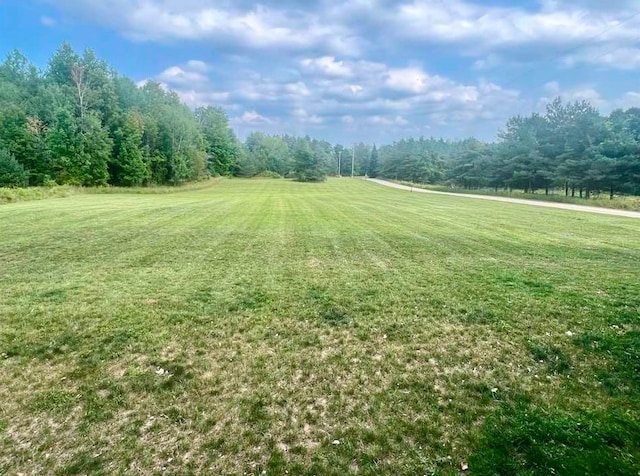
535	203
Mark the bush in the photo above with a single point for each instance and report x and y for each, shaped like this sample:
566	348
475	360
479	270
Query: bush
8	195
48	182
268	174
312	177
12	173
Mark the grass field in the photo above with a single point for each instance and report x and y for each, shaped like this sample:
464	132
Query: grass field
271	327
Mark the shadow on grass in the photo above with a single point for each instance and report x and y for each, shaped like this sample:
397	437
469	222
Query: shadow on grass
523	439
622	376
330	311
553	356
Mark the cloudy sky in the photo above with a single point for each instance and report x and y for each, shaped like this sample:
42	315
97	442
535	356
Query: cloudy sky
351	70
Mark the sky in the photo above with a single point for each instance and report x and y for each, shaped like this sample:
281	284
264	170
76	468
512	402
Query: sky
353	70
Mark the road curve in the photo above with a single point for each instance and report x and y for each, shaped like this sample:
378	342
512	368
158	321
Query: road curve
535	203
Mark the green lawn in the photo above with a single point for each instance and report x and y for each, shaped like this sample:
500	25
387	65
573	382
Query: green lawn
265	327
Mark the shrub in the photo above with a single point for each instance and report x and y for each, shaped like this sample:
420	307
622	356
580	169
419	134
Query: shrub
268	174
12	173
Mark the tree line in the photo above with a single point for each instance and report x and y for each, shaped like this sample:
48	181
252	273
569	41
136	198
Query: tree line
571	147
79	122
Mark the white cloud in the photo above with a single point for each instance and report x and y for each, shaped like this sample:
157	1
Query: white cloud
302	116
349	27
628	100
256	27
297	89
387	121
177	75
623	58
197	65
205	98
589	93
251	118
413	80
328	66
489	62
192	84
552	87
557	29
373	95
48	21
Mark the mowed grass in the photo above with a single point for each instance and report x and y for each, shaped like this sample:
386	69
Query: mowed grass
271	327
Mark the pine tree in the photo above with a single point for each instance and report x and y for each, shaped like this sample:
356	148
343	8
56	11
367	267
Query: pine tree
12	173
373	163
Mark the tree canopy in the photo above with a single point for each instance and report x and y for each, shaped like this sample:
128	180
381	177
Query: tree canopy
78	122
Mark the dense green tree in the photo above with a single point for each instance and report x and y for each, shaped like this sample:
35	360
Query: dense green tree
80	149
266	153
308	166
373	163
571	146
12	173
95	151
65	145
221	143
78	122
15	136
128	167
61	66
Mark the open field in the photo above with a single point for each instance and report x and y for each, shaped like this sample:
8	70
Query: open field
272	327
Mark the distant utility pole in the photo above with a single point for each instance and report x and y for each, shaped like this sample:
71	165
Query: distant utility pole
340	164
353	162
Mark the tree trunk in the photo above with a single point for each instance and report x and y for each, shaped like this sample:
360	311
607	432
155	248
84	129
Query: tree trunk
580	192
611	192
566	188
546	189
573	192
588	194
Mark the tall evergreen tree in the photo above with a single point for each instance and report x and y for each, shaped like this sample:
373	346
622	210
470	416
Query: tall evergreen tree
12	173
373	163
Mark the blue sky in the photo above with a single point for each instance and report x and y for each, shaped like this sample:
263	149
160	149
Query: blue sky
353	70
